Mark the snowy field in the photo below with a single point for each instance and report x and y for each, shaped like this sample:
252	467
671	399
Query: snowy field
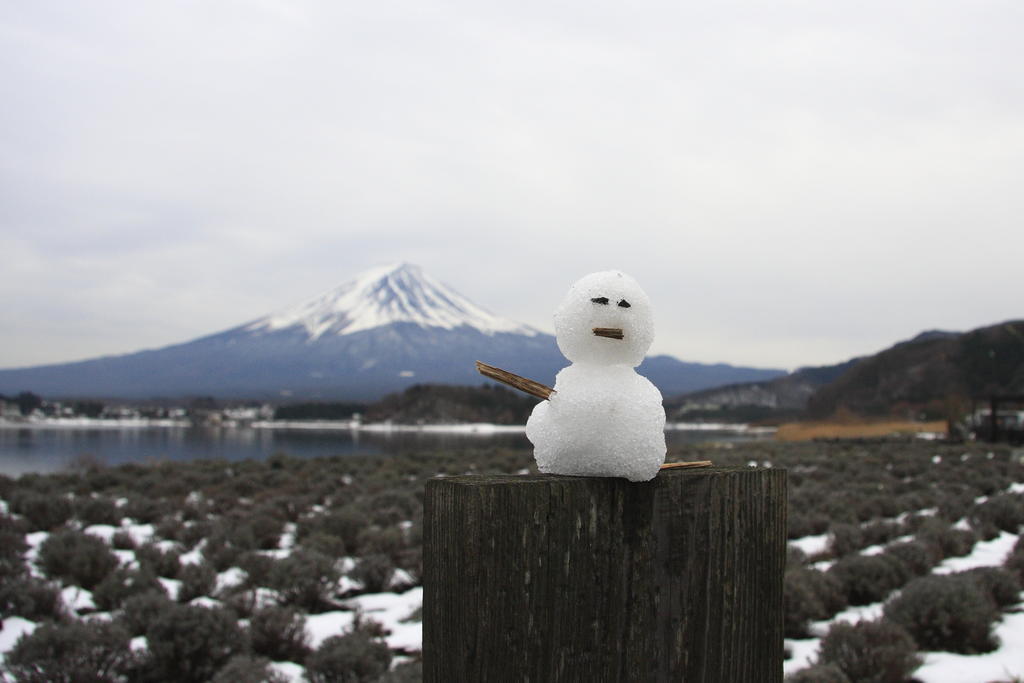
1004	664
244	521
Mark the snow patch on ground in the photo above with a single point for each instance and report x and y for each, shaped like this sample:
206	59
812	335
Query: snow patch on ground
77	600
389	609
172	586
194	556
320	627
13	628
140	533
811	545
292	672
103	531
985	554
229	578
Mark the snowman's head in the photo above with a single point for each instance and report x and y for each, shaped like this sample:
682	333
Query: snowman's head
607	302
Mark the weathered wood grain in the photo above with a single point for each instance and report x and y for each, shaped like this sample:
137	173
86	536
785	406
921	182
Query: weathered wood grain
551	578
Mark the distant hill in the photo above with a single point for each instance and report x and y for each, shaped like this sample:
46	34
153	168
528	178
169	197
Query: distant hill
928	372
427	404
936	373
387	329
748	401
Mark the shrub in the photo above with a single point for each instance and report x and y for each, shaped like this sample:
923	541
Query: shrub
953	507
12	545
819	673
804	524
918	557
880	532
264	529
42	511
221	555
809	595
70	653
375	540
245	668
870	651
97	511
344	523
945	613
949	541
326	544
1005	512
121	584
257	568
304	579
146	509
1001	586
161	562
189	643
869	578
279	633
122	540
196	580
30	598
355	657
845	539
191	534
406	672
374	572
169	528
76	558
141	610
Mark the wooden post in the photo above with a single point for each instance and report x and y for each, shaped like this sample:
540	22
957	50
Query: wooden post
552	578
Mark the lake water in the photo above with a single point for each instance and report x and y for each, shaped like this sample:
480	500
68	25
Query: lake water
42	449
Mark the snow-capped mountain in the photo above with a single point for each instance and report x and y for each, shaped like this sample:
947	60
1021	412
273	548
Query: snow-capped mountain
400	293
388	328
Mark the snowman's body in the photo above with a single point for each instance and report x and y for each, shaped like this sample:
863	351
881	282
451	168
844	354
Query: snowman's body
604	419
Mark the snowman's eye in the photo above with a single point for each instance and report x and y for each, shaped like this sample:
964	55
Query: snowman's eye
624	304
603	300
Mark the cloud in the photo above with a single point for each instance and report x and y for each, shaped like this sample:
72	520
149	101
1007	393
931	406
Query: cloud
795	182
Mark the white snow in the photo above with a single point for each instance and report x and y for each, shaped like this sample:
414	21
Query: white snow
287	539
172	586
985	554
229	578
12	629
292	672
77	599
385	295
102	531
320	627
812	545
194	556
140	533
803	652
389	609
204	601
34	540
604	419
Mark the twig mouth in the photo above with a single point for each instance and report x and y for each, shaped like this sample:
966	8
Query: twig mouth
608	332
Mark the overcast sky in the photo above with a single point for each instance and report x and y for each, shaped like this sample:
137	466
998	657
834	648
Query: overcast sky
793	183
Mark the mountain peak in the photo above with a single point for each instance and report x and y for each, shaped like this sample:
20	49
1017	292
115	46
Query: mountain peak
394	293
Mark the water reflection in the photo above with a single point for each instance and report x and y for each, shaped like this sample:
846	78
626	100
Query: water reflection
46	450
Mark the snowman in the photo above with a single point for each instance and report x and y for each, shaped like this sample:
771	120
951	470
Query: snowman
603	419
